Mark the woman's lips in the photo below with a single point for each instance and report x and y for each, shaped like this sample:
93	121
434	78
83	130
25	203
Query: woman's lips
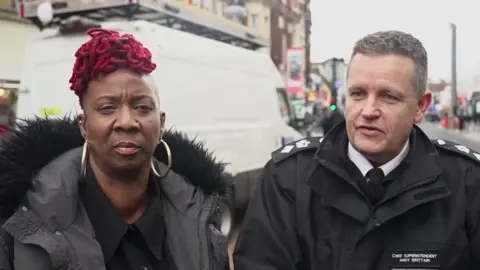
126	151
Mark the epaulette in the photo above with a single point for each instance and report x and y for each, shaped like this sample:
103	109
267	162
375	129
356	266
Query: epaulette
295	147
457	148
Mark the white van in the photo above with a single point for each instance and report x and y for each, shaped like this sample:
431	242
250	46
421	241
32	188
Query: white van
221	94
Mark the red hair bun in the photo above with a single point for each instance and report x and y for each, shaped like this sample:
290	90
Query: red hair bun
107	52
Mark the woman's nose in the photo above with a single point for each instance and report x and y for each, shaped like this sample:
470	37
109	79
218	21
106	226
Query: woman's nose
126	120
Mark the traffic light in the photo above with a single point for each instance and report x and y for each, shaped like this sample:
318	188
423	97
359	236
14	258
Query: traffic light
333	104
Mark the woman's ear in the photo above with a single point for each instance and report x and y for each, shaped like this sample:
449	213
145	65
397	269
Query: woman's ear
82	125
162	123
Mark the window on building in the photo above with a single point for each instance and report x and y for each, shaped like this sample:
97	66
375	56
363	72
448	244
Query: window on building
219	7
254	21
208	5
236	3
197	3
7	4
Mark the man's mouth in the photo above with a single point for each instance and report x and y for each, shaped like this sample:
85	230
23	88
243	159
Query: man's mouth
369	130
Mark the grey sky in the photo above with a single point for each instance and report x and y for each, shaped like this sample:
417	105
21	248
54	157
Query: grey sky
337	24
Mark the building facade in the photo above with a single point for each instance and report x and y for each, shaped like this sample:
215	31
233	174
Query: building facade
14	33
287	28
466	86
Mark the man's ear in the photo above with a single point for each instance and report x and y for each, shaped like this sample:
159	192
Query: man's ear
82	125
423	105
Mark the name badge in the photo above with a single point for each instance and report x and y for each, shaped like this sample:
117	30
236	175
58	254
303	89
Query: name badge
414	260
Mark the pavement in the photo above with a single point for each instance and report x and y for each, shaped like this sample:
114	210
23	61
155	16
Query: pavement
469	139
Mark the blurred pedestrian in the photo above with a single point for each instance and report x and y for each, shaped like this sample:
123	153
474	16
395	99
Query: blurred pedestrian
114	190
332	119
375	193
3	130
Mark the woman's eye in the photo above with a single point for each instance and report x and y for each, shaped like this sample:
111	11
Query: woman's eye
144	108
106	109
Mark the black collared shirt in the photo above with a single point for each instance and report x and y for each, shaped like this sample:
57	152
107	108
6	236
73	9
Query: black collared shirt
138	246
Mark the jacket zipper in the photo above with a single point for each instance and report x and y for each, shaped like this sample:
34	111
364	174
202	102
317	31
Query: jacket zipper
215	208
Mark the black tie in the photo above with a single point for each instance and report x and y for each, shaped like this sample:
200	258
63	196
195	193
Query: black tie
375	190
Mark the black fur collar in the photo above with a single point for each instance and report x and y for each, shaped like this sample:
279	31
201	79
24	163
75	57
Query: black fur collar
38	141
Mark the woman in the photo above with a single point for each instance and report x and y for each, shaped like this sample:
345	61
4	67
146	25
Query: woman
112	190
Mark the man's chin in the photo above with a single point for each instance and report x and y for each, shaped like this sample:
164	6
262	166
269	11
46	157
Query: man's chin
366	146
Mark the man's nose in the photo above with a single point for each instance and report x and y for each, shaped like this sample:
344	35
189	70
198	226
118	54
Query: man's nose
370	108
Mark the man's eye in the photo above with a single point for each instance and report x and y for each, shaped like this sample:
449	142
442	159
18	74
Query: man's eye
357	94
389	97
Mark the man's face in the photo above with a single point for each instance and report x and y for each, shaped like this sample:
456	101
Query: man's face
381	104
122	121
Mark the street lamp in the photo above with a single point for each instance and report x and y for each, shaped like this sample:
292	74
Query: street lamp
333	69
453	84
45	12
236	10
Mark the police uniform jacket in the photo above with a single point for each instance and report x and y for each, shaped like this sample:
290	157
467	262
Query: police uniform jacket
310	210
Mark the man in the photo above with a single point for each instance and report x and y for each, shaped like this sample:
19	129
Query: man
375	193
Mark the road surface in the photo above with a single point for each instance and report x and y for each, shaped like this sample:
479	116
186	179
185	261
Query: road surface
435	132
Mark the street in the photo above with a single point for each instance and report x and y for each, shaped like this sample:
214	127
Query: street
469	140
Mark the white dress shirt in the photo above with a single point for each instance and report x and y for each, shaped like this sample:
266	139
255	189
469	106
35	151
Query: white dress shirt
364	165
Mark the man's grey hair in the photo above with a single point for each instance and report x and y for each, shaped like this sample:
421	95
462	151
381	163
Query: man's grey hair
400	43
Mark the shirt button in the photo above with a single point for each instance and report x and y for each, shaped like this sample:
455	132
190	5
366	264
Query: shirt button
58	233
24	209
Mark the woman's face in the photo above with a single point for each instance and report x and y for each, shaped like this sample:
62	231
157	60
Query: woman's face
122	121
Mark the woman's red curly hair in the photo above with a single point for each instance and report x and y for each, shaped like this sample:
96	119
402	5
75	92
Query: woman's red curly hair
106	52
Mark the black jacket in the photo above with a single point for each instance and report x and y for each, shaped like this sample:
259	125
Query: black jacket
308	213
45	225
330	122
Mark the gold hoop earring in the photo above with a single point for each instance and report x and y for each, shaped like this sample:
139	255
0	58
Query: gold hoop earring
169	161
83	168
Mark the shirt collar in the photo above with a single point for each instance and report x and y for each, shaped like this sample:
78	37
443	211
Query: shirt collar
152	223
109	226
364	165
